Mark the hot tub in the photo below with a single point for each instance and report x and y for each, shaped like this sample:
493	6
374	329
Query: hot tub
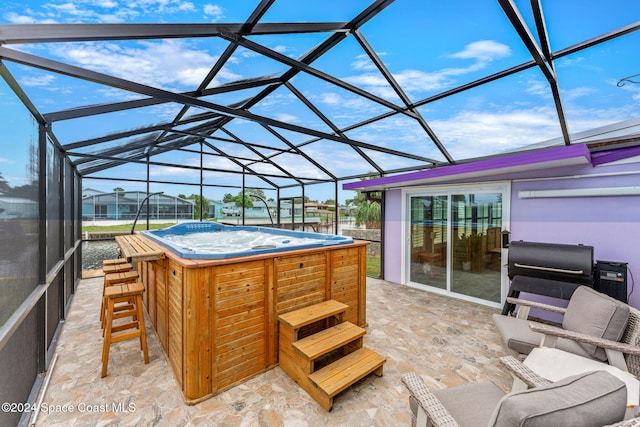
208	240
215	313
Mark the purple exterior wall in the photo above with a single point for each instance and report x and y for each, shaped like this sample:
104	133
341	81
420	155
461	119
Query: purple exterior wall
393	238
610	224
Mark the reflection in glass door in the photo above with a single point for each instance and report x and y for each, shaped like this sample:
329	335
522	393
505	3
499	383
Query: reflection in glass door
429	240
476	235
455	243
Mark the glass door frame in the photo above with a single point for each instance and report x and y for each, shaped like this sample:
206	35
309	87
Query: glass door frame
502	187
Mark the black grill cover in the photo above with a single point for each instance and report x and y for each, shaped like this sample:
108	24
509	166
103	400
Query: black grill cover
552	261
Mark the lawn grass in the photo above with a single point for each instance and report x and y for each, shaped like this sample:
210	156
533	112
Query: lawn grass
373	266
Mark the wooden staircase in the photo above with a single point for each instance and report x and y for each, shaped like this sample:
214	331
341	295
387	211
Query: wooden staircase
322	352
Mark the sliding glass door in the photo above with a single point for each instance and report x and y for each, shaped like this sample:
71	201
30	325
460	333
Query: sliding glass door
428	247
454	241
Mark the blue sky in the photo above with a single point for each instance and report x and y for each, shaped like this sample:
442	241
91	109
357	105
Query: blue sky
429	47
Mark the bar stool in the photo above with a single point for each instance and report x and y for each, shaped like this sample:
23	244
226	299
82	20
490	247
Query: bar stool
109	262
117	268
131	293
110	266
114	279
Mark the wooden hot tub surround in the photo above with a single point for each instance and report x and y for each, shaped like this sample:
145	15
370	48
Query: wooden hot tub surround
216	320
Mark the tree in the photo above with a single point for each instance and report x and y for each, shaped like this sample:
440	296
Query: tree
248	203
228	197
367	208
4	185
197	201
367	211
118	190
255	191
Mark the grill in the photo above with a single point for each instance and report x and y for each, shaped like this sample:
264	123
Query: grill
549	269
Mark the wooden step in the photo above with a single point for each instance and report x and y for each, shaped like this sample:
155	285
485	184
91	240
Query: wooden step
339	375
313	313
329	339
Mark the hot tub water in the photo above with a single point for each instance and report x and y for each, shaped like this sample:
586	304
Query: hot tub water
207	240
236	241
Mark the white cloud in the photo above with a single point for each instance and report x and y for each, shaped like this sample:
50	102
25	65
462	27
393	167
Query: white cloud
346	106
538	87
577	92
281	49
161	6
469	134
417	80
41	80
213	11
330	98
14	18
287	118
27	16
335	157
362	62
483	50
106	3
70	9
160	64
102	11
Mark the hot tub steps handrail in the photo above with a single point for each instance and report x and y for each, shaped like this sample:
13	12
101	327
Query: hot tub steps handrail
322	352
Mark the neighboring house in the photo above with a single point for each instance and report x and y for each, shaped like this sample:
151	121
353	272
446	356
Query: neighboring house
86	192
443	226
124	206
312	207
215	209
16	207
258	210
230	209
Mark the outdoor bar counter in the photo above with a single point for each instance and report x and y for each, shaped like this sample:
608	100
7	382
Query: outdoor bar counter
216	319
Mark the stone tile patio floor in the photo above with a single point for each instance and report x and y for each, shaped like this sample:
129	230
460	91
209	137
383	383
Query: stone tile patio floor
447	341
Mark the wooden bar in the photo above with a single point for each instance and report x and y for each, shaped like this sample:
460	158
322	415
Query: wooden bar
135	248
216	319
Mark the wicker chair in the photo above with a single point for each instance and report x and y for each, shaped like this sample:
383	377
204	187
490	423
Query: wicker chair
623	354
529	378
594	398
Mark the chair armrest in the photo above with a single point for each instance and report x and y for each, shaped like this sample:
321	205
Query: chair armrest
523	372
534	304
588	339
437	413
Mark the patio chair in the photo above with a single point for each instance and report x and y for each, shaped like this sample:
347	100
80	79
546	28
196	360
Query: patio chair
591	399
594	325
